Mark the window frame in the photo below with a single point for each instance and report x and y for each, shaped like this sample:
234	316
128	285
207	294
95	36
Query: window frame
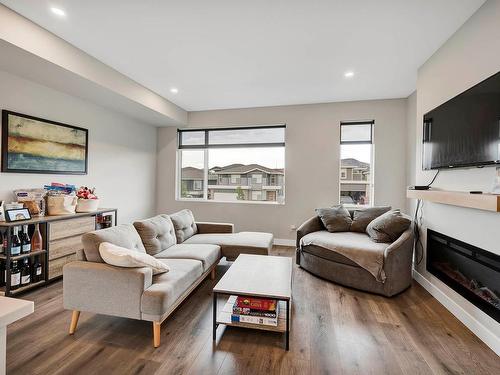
372	160
257	177
197	185
206	146
347	123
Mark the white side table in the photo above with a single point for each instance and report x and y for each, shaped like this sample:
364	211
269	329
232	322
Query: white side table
11	309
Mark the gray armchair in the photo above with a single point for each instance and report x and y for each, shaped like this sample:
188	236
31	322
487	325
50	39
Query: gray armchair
333	266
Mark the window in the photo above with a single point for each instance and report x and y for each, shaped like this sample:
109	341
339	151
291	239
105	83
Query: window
232	164
356	163
198	185
192	171
257	178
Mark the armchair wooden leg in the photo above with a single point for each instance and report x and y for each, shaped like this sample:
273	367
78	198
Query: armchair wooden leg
156	334
213	274
74	321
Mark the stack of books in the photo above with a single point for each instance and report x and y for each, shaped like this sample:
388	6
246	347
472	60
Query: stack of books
263	311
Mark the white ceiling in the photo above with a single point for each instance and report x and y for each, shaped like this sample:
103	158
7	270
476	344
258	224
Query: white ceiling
234	53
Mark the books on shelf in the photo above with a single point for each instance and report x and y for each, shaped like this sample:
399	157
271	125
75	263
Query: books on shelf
261	311
254	320
262	304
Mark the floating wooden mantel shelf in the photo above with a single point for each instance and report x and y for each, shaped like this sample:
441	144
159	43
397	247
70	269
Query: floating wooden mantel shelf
488	202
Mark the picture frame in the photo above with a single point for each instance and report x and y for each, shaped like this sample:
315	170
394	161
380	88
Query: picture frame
35	145
17	214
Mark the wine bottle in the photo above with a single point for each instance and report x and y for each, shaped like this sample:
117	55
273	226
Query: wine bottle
25	272
1	242
15	246
36	239
15	276
37	271
25	240
3	273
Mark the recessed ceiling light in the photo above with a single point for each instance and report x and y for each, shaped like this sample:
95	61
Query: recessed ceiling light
349	74
58	11
174	90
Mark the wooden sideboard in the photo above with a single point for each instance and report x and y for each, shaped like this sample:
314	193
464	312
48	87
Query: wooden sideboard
62	238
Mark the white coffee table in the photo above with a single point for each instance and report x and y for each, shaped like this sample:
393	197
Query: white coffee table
11	309
257	276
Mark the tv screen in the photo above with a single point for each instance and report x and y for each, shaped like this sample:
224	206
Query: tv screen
464	131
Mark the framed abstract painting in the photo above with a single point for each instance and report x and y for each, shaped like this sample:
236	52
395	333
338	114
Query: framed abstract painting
35	145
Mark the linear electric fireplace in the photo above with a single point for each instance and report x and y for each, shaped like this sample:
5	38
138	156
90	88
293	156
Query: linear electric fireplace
470	271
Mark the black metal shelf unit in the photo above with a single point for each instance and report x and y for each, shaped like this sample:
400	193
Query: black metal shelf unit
7	259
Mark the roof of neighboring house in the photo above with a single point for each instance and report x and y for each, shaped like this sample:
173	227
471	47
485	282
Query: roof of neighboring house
217	168
192	173
245	168
353	163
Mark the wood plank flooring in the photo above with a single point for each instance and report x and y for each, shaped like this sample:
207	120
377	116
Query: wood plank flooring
335	330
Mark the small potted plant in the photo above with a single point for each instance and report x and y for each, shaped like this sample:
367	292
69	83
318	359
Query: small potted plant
87	200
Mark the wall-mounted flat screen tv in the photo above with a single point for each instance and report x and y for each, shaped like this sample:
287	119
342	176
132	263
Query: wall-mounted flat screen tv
464	131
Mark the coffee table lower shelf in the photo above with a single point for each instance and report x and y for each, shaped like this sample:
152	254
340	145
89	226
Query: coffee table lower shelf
224	317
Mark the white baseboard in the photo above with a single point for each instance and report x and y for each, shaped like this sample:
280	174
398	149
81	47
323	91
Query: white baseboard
284	242
465	317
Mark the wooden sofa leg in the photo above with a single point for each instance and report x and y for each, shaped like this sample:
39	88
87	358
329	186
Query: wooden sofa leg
156	334
213	274
74	321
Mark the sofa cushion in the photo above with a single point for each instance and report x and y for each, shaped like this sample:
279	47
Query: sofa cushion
168	287
121	257
335	219
157	233
388	227
123	235
357	247
184	225
234	244
207	254
362	217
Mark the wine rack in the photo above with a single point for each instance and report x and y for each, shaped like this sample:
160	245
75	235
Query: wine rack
61	239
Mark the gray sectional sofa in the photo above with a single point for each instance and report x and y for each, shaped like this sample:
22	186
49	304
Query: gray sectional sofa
328	261
190	249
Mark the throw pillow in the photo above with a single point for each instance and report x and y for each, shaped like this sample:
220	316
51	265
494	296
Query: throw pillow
362	217
184	225
335	219
388	227
122	257
157	233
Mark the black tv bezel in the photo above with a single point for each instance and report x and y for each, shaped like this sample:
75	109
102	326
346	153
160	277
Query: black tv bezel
462	165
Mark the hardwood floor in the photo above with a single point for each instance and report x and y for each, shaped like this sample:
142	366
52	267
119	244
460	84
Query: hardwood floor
335	330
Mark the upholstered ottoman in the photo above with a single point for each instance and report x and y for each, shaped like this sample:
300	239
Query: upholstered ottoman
234	244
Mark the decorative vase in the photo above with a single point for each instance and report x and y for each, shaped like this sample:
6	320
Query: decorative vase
87	205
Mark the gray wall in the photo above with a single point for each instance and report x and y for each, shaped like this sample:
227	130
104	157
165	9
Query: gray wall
312	161
122	152
469	56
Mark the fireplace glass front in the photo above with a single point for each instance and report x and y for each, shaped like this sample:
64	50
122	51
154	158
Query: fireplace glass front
470	271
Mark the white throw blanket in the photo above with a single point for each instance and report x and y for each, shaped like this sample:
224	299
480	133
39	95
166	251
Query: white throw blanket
357	247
